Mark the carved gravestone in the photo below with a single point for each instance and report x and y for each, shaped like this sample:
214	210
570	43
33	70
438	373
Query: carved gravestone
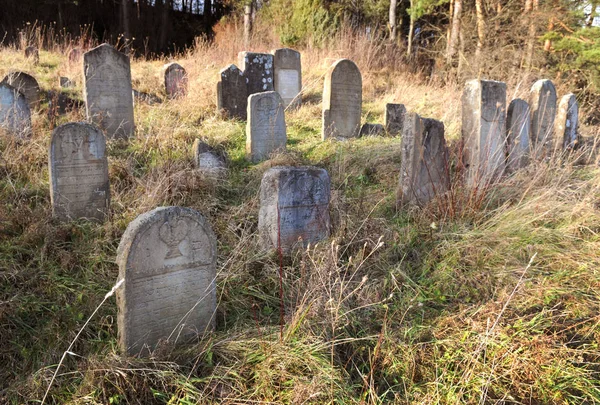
31	52
232	93
287	65
567	123
342	100
394	118
209	161
542	101
258	71
79	186
484	131
369	129
15	115
294	204
265	130
74	55
424	170
167	258
176	80
27	85
517	138
107	91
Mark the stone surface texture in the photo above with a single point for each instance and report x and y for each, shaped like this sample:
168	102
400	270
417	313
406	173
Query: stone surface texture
542	102
75	55
342	101
369	129
232	93
567	123
265	130
27	85
258	71
518	134
287	65
208	160
176	80
394	118
15	115
31	52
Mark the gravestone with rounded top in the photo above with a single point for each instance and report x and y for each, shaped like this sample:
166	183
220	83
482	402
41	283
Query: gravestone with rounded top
265	130
107	91
74	55
31	52
342	100
176	80
567	123
79	185
294	205
518	136
258	71
27	85
232	93
287	65
167	258
394	118
542	102
15	115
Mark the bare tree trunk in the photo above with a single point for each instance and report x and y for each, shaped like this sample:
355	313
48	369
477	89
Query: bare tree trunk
164	25
593	14
498	12
533	7
411	30
449	29
248	11
548	43
480	31
454	34
393	25
125	20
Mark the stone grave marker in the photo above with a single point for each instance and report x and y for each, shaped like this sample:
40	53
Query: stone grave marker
167	258
65	82
265	130
369	129
542	102
25	84
288	76
258	71
567	123
232	93
79	185
15	115
208	160
394	118
74	55
107	91
31	52
176	80
294	204
342	100
517	138
484	131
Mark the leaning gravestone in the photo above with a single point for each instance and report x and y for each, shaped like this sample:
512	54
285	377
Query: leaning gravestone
15	115
484	131
265	130
542	101
294	204
287	65
258	71
176	80
107	91
31	52
517	138
394	118
167	258
232	93
342	100
424	170
567	123
79	186
27	85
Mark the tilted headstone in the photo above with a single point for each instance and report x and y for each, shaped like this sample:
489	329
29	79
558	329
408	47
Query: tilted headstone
425	167
232	93
167	258
79	186
394	118
265	130
107	91
75	55
287	65
258	71
294	204
542	101
567	123
65	82
369	129
27	85
31	52
517	138
176	80
342	100
15	114
208	160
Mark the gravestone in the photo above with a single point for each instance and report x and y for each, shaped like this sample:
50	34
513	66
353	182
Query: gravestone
167	258
265	130
542	102
372	130
15	115
287	65
394	118
484	131
517	138
74	55
232	93
258	71
107	91
342	100
176	80
207	160
567	123
79	186
25	84
424	170
65	82
31	52
294	204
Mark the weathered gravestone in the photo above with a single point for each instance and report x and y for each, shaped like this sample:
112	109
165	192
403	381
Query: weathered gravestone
288	76
74	55
232	93
394	118
27	85
294	204
15	115
31	52
342	100
258	71
107	91
424	170
65	82
567	123
542	101
369	129
517	138
265	130
176	80
484	131
79	186
209	161
167	258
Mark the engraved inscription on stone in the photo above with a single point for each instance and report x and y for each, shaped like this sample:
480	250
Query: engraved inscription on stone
542	101
287	83
232	93
342	101
288	76
15	115
394	118
176	80
265	130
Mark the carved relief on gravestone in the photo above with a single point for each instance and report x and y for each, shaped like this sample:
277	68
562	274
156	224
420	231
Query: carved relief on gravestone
294	205
394	118
265	130
232	93
79	185
31	52
567	123
288	76
518	135
15	115
167	258
25	84
342	100
107	91
542	102
176	80
258	71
